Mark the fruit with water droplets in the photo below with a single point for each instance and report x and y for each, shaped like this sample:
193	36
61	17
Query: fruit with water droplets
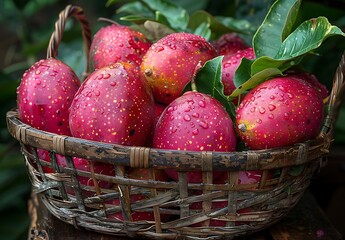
113	105
279	112
170	63
229	43
230	63
196	122
117	43
44	95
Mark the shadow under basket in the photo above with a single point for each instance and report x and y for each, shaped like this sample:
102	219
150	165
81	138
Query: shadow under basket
149	205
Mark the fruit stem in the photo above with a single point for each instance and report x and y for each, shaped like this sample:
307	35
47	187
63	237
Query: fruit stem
193	82
242	127
108	20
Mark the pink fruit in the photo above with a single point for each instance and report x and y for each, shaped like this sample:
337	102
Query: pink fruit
229	43
116	43
140	174
45	94
230	64
98	168
170	63
159	108
45	156
113	105
312	79
279	112
196	122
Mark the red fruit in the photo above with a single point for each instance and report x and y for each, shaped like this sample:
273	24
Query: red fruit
170	63
229	43
279	112
159	108
45	156
312	79
98	168
230	64
196	122
113	105
116	43
140	174
45	94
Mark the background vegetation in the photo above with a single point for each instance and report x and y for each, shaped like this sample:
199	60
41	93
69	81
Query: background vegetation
26	27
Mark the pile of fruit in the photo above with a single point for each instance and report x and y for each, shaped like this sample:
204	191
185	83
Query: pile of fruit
183	91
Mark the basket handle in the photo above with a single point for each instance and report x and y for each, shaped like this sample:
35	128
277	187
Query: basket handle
55	39
335	98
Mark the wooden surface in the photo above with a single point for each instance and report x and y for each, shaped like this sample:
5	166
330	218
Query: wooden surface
306	221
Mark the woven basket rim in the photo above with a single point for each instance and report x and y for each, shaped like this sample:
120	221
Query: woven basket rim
146	157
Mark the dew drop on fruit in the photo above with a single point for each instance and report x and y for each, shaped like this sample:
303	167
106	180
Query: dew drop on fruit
97	93
100	77
270	116
202	103
271	107
262	110
290	95
196	115
170	109
252	109
113	84
259	120
195	132
174	129
38	82
38	72
187	118
272	97
159	49
203	124
106	76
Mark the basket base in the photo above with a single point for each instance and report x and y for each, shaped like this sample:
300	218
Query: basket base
305	221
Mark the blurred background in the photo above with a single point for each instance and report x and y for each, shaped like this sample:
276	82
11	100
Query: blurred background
25	29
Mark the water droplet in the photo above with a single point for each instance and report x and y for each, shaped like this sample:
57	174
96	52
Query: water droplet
259	120
100	77
120	44
202	103
271	107
38	82
290	95
190	101
97	93
38	72
58	111
262	110
174	129
196	115
113	84
53	74
170	109
159	48
253	109
286	116
195	131
272	97
282	88
64	89
106	76
187	118
203	124
270	116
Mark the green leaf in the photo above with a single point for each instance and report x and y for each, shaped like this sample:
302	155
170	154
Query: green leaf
155	30
266	62
136	9
243	72
307	37
255	80
275	27
176	16
209	80
203	30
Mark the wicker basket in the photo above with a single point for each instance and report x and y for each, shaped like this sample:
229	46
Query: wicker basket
286	173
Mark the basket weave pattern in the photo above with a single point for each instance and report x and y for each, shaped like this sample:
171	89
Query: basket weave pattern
286	173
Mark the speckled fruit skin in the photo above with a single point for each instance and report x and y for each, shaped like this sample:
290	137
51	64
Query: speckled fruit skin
170	63
230	64
116	43
279	112
113	105
196	122
44	95
229	43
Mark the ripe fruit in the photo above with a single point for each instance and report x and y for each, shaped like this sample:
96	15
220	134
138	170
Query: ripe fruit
44	95
98	168
229	43
113	105
140	174
230	64
116	43
196	122
279	112
169	63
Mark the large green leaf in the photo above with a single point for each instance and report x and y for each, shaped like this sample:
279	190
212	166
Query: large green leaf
209	80
307	37
176	16
138	9
275	27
